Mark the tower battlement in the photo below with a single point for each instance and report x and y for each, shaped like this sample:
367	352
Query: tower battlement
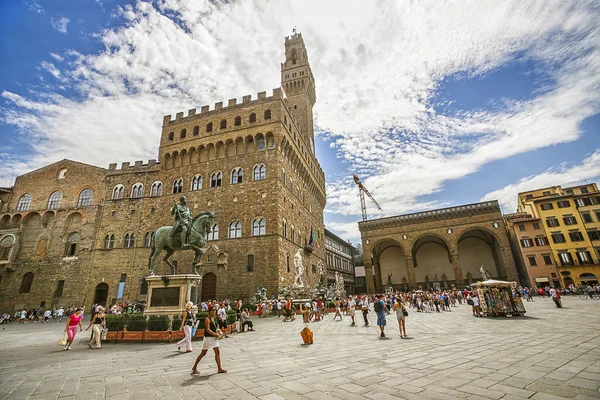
138	166
231	104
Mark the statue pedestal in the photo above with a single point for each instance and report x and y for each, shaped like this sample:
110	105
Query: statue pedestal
167	294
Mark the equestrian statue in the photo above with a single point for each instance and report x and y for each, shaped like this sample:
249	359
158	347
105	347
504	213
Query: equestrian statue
187	233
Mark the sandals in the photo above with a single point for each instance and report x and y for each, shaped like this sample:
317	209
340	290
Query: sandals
223	371
195	372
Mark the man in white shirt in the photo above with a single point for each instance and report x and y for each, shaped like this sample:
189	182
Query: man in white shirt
59	314
222	316
278	306
476	306
352	309
23	316
365	308
47	316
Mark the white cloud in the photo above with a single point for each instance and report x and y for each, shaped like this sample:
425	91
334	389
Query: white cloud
377	67
345	230
60	24
563	175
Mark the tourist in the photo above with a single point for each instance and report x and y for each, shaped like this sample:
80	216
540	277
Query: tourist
352	309
47	315
23	317
222	319
210	342
245	319
338	310
71	327
555	297
306	333
476	308
400	315
99	322
365	309
277	308
379	308
187	325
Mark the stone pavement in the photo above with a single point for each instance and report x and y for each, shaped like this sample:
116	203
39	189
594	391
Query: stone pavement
549	354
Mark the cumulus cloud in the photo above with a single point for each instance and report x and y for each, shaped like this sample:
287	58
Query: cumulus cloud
564	175
60	24
377	68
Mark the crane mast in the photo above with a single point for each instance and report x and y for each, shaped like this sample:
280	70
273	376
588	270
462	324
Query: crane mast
362	191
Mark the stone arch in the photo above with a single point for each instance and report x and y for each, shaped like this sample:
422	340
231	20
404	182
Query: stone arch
211	152
249	141
202	155
220	147
240	147
479	246
16	219
259	139
209	287
183	158
192	155
431	255
5	221
48	219
176	162
73	219
32	219
389	258
166	161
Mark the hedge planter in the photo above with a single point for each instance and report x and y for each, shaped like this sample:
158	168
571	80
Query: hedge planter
177	335
161	336
133	336
112	335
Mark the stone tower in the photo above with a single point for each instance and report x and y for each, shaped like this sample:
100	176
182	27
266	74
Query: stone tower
299	85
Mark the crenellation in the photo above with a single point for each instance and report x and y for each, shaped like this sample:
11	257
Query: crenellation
125	165
231	102
262	95
219	106
179	115
246	99
166	120
204	109
112	166
191	112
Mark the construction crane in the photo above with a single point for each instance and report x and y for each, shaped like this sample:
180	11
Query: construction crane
363	190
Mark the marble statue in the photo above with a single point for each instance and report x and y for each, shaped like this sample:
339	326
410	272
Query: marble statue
485	275
299	269
389	281
193	236
321	272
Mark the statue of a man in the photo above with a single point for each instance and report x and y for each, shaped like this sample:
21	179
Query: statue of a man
299	269
389	281
484	274
183	220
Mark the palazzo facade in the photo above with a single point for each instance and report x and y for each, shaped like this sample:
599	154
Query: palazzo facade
73	234
437	249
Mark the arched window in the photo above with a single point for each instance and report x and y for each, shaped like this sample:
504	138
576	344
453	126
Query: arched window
260	172
294	56
223	124
24	202
26	283
237	121
213	233
149	239
117	193
216	179
85	198
109	241
196	130
156	189
209	127
283	175
137	191
237	175
267	114
183	134
178	186
292	234
171	136
259	227
284	225
252	117
129	241
197	182
235	230
54	200
6	245
71	245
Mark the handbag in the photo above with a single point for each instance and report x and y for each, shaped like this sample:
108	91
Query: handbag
103	333
405	313
63	340
195	328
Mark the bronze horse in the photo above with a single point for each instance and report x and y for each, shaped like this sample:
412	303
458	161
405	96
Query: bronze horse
197	239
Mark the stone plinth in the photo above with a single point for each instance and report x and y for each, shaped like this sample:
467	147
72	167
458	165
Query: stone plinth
168	294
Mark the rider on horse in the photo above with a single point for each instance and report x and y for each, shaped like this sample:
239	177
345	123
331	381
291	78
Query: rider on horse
183	221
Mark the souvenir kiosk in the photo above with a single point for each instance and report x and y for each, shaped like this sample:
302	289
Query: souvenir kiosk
496	298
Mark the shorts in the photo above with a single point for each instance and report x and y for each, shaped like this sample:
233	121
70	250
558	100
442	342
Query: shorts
400	316
351	310
381	319
209	342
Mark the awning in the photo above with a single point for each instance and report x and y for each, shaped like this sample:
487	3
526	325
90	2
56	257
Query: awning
541	279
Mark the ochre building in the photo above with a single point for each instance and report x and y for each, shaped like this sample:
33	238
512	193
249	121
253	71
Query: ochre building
73	234
437	248
570	218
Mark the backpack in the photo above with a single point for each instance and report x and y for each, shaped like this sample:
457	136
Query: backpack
377	306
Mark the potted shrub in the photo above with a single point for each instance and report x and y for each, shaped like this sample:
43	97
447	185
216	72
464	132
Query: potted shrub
114	324
157	328
134	326
176	334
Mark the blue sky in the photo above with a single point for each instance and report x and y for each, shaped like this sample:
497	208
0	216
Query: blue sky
431	103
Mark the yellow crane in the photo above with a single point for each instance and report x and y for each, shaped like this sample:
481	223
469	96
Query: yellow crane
363	190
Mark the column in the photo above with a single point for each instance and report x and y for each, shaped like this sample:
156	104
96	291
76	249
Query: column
410	271
458	275
509	264
369	277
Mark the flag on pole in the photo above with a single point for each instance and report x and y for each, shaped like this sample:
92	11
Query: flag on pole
310	240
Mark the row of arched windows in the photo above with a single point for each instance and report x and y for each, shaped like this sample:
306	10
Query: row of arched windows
259	228
55	199
259	172
237	121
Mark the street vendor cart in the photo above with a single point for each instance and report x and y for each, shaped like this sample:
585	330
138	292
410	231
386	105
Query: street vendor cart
496	298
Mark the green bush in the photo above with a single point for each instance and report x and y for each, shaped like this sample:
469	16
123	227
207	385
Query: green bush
231	317
135	322
176	323
158	323
330	304
114	322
